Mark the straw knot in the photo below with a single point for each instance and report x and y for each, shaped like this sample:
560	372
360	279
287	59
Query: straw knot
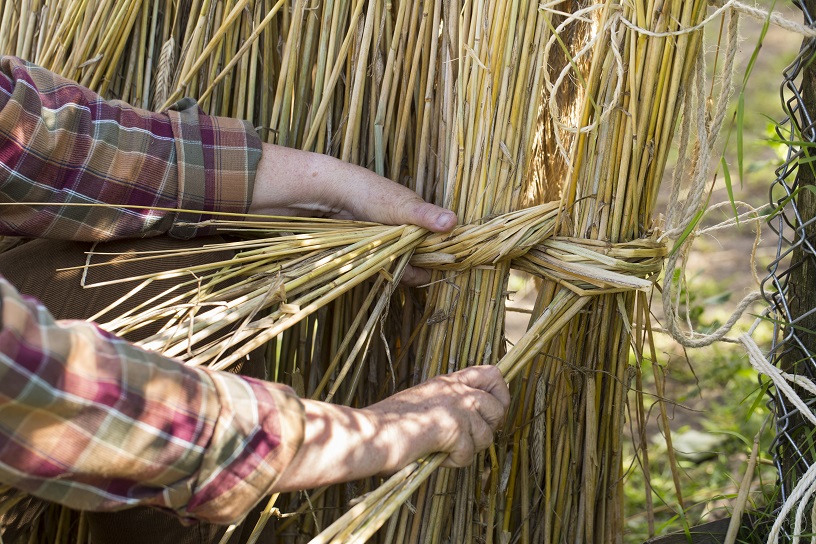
589	267
499	238
527	239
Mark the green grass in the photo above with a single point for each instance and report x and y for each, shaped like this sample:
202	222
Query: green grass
714	416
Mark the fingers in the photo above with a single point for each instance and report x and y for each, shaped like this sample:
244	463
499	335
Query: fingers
478	438
370	197
461	456
457	414
488	378
430	216
488	398
382	200
414	277
490	408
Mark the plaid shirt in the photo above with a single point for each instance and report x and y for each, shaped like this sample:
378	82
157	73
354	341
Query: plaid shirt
87	419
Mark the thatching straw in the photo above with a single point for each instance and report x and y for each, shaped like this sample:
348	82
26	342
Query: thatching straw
446	97
616	170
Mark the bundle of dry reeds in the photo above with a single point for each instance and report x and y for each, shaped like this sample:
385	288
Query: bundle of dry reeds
582	379
446	98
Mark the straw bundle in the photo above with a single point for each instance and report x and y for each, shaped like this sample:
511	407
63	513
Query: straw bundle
583	377
444	97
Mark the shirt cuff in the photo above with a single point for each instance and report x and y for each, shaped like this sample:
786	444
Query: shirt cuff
217	160
259	431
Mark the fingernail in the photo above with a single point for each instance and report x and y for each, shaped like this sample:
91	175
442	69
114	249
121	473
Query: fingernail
446	220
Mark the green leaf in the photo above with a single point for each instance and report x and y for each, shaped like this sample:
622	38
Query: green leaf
785	201
792	143
741	437
741	101
760	397
691	226
728	187
740	143
688	230
755	54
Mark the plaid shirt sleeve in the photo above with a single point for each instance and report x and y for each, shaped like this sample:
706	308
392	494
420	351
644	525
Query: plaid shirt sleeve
96	423
63	147
87	419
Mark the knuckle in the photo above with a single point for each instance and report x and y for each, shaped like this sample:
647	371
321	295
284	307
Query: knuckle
485	437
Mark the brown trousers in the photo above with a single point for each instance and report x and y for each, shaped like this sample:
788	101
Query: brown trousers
33	269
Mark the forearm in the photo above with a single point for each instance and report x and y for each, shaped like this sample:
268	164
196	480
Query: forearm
305	183
95	423
457	414
342	444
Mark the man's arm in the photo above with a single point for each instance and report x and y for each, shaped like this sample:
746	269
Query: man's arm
60	143
95	423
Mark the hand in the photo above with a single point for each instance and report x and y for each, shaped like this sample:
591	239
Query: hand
299	183
457	414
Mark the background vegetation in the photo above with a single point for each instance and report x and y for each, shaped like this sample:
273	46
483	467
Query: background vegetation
718	403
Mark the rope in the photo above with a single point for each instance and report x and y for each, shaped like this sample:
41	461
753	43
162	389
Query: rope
773	17
800	512
552	88
806	487
684	212
732	8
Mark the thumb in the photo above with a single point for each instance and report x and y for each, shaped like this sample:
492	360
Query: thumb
429	216
387	202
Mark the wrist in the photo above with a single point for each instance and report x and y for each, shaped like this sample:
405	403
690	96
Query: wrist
403	438
294	183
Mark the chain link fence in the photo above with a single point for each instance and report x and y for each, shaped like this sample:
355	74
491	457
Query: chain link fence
785	288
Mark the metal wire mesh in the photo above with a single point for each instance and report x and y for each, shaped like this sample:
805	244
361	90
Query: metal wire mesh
792	348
